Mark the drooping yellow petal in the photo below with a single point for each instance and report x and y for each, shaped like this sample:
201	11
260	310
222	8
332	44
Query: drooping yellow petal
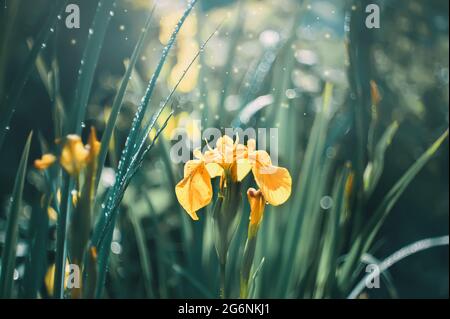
45	161
194	191
74	155
274	182
190	167
257	205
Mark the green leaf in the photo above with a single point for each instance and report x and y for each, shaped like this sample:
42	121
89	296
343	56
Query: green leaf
328	258
394	194
399	255
104	229
91	54
375	167
303	229
365	239
117	104
12	229
10	101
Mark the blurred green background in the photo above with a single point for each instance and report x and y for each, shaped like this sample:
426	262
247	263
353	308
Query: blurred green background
410	63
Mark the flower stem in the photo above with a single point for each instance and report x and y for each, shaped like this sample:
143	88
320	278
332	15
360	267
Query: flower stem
222	280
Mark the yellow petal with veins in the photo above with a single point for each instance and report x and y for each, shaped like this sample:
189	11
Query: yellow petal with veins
274	182
194	191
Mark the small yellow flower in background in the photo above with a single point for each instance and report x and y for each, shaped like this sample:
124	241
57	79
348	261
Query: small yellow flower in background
45	161
74	155
168	23
257	205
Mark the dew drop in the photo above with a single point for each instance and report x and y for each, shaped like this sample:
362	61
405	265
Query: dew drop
16	274
116	248
326	202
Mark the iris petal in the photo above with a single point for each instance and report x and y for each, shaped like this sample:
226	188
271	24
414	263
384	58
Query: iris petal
275	183
194	191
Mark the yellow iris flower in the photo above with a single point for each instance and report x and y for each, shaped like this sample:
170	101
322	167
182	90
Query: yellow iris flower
194	191
74	155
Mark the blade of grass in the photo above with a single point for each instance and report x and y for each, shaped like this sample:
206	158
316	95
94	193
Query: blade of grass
36	264
50	79
88	66
375	168
117	104
132	139
231	54
61	231
12	228
7	26
312	175
144	256
399	255
364	241
10	100
329	254
386	276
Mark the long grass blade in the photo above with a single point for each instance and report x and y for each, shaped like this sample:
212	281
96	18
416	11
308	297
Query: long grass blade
89	62
399	255
364	241
10	100
12	230
375	167
117	104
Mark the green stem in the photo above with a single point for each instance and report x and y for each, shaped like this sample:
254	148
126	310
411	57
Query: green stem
61	247
223	280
